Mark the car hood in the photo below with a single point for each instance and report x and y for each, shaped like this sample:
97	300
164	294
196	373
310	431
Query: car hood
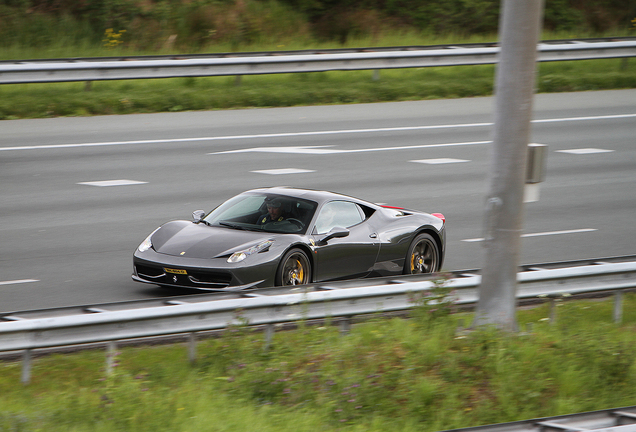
183	238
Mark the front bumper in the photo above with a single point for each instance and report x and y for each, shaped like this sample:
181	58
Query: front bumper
215	274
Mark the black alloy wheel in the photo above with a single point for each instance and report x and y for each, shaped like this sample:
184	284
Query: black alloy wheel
423	256
294	269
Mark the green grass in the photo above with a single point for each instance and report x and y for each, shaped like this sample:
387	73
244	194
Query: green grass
209	93
387	374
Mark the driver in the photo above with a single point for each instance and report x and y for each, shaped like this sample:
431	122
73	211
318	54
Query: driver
275	212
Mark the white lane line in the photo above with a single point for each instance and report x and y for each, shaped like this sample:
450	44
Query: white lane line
107	183
298	134
290	149
439	161
19	281
283	171
242	137
548	233
576	231
582	151
568	119
321	150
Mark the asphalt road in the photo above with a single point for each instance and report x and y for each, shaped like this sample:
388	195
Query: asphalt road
65	240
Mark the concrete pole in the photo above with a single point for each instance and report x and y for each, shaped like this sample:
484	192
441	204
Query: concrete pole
519	29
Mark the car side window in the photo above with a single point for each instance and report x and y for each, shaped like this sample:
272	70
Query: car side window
338	214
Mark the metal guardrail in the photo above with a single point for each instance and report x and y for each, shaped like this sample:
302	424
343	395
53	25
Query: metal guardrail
609	420
311	51
310	302
66	70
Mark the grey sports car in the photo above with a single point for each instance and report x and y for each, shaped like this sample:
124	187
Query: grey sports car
288	236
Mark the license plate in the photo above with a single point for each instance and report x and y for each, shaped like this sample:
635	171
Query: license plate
175	271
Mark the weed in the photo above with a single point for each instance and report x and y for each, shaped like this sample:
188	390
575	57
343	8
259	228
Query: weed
113	39
435	303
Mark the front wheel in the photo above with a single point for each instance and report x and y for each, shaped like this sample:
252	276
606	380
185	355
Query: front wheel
294	269
423	256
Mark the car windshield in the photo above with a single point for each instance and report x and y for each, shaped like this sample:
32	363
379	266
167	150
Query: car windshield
264	212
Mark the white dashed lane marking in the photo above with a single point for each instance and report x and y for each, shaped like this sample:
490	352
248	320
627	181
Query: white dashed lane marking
583	151
439	161
575	231
106	183
19	281
283	171
326	151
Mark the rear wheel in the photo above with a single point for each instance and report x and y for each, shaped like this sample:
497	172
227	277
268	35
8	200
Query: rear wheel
423	256
294	269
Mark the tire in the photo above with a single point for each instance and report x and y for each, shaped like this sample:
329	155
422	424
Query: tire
422	256
294	269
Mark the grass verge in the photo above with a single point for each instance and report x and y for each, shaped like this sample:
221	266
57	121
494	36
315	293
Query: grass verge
209	93
387	374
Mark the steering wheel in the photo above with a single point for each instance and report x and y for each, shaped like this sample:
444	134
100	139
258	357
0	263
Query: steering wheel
296	222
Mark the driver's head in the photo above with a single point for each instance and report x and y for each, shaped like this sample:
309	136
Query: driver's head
275	208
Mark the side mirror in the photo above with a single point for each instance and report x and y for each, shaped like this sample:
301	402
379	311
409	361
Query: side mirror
336	232
197	215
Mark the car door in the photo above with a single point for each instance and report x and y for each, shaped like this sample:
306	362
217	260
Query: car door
352	256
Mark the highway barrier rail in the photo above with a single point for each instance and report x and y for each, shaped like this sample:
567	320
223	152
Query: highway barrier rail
238	64
609	420
31	330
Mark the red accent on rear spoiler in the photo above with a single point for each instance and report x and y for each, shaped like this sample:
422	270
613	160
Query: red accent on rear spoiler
392	207
440	216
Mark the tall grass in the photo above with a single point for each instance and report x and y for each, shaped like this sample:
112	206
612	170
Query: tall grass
404	374
204	24
117	28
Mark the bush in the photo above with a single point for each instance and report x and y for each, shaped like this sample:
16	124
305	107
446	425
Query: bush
197	24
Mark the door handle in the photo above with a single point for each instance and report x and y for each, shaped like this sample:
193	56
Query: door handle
373	235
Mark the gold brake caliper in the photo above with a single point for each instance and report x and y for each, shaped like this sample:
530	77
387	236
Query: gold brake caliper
301	272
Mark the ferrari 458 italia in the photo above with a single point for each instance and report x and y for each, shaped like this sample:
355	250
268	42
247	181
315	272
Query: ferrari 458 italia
288	236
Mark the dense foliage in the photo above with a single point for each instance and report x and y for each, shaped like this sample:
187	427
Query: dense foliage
474	16
150	24
37	29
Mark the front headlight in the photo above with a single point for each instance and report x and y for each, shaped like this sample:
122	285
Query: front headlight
146	244
241	255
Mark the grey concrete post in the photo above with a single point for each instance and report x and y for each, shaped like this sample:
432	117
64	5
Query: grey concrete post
519	30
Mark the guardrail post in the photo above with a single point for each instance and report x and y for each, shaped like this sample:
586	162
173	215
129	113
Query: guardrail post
269	335
88	85
376	75
553	310
345	325
618	307
192	347
26	367
237	80
111	346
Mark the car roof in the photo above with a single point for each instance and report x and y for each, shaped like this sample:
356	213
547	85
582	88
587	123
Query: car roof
310	194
